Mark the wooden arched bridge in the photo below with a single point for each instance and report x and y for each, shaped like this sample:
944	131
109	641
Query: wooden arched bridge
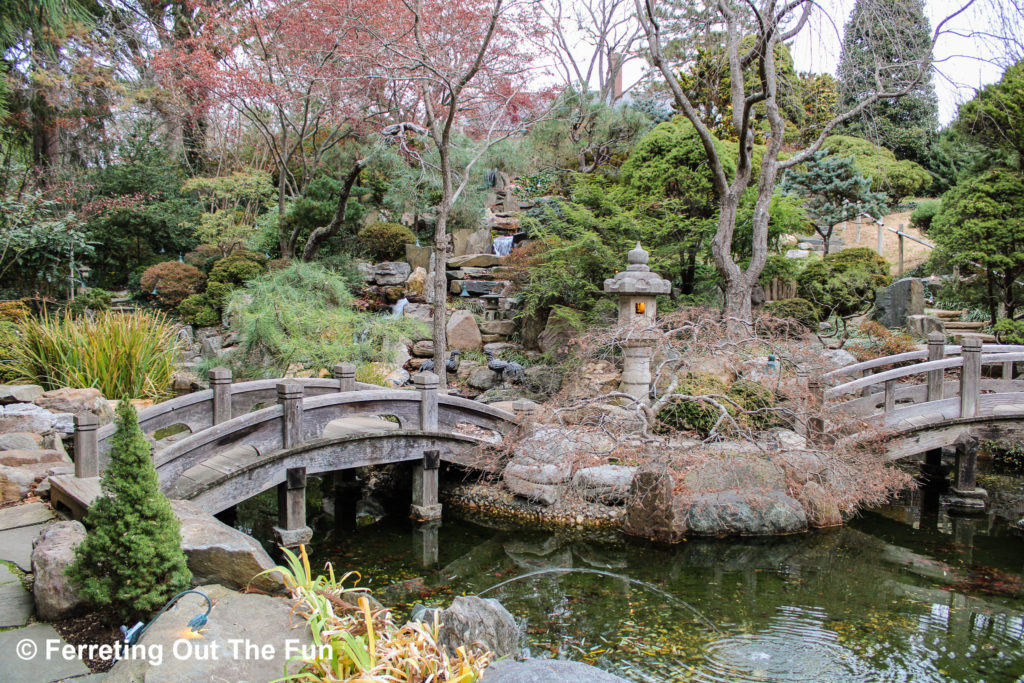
930	398
248	437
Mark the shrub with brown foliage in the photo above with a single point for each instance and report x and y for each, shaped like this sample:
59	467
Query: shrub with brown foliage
170	282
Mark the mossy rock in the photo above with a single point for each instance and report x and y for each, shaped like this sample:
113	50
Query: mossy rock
698	416
754	396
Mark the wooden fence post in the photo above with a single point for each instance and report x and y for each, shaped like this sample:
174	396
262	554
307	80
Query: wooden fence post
289	395
881	235
87	450
970	375
220	382
936	378
345	373
900	235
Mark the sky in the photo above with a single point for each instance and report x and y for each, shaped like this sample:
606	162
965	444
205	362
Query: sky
963	62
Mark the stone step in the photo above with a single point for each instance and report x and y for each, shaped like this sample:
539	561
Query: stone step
961	325
958	337
944	315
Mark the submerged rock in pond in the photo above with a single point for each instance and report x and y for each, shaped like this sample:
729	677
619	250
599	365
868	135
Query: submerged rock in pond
472	623
546	671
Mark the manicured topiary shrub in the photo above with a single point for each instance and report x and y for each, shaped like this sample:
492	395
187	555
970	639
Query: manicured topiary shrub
131	561
170	282
698	416
238	268
385	241
845	282
1009	331
924	213
800	310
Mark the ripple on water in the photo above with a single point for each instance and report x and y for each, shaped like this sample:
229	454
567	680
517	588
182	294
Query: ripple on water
794	647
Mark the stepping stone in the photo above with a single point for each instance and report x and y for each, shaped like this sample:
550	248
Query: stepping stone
25	515
18	667
20	525
16	604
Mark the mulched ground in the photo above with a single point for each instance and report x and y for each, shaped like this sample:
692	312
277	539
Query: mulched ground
87	630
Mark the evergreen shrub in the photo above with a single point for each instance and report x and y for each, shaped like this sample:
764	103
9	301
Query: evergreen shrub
922	216
131	561
698	416
385	241
843	282
800	310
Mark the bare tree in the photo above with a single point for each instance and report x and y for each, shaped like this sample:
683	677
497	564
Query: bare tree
752	32
462	65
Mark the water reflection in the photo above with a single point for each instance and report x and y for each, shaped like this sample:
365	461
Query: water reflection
905	593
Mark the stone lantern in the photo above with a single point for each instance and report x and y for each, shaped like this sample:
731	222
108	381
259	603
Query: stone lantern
637	288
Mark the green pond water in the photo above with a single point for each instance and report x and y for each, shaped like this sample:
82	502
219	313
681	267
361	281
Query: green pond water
903	593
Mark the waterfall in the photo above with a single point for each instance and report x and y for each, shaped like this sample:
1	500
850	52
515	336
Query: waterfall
396	310
503	245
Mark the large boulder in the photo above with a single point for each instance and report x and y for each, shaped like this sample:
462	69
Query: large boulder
36	456
608	484
542	379
462	332
53	551
20	441
540	482
19	393
721	497
422	312
391	273
236	619
474	261
68	400
470	241
546	671
416	284
28	417
897	301
481	624
220	554
482	379
558	331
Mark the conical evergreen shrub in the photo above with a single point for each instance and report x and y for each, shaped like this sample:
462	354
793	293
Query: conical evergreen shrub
131	559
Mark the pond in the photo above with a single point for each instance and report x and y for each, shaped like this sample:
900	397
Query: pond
903	593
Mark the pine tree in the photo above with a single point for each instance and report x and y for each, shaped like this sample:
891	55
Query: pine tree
894	37
131	559
833	191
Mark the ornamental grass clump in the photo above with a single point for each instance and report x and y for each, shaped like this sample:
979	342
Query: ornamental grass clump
124	355
305	314
131	561
357	643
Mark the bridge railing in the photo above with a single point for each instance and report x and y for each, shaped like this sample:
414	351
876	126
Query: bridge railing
936	338
968	388
296	417
204	409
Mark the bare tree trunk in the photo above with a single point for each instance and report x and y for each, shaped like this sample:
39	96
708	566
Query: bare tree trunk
320	235
439	323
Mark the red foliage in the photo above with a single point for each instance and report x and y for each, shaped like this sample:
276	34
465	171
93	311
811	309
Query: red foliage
170	282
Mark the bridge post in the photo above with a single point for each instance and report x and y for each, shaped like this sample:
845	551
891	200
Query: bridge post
345	373
970	375
426	383
524	410
220	382
428	534
289	395
936	378
87	449
965	496
291	529
815	425
425	502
